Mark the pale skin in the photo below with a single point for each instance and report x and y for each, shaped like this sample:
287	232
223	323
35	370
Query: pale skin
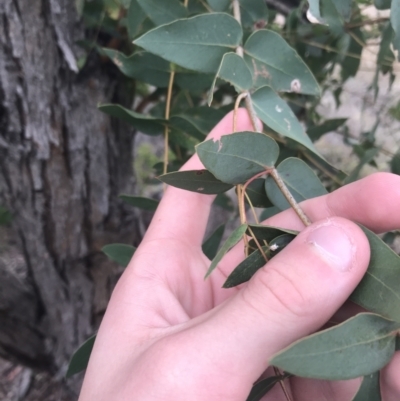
168	335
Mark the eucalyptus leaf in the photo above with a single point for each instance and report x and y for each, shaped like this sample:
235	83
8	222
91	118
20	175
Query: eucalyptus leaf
234	70
135	19
197	43
275	112
253	12
379	290
315	132
143	66
163	12
370	389
300	179
201	181
385	55
219	5
263	387
273	62
120	253
237	157
368	156
144	123
395	21
268	233
225	202
140	202
193	81
80	358
256	193
197	122
211	245
358	347
182	139
269	212
278	244
382	4
395	164
232	240
247	268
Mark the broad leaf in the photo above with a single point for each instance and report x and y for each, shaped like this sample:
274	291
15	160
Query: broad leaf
370	389
253	12
269	212
182	139
197	122
352	49
256	193
395	21
146	124
120	253
379	290
197	43
395	164
211	244
344	8
163	12
225	202
140	202
201	181
278	244
80	358
275	112
268	233
135	19
385	55
234	70
382	4
219	5
300	179
358	347
143	66
193	81
317	131
263	387
232	240
273	62
237	157
247	268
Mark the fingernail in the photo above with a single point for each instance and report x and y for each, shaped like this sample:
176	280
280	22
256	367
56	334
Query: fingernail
333	243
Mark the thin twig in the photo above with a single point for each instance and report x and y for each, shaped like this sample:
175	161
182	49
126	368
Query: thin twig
258	244
289	197
166	129
251	207
237	103
252	113
282	384
367	22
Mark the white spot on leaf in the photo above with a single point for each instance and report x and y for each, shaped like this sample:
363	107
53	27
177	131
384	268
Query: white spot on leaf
288	124
278	109
274	247
295	86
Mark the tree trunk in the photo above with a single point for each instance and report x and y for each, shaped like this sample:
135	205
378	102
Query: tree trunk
62	166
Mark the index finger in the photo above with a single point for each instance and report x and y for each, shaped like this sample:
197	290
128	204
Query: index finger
182	214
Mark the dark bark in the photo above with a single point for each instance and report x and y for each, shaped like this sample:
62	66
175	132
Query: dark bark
62	166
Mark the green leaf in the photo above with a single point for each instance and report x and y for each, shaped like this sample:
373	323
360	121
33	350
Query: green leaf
253	12
183	140
247	268
197	122
143	66
263	387
232	240
395	164
234	70
269	212
273	62
219	5
120	253
300	179
193	81
268	233
344	8
358	347
201	181
140	202
163	12
135	19
278	244
379	290
80	358
211	245
382	4
352	51
225	202
146	124
316	132
314	9
197	43
385	55
370	389
237	157
256	192
395	21
275	112
369	155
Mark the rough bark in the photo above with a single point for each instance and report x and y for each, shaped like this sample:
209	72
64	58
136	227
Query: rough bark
62	166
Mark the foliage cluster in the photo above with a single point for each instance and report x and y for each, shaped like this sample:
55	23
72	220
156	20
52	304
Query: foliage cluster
192	61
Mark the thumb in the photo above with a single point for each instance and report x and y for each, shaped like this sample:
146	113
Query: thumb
295	293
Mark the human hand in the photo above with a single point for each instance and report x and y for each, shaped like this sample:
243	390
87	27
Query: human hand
169	335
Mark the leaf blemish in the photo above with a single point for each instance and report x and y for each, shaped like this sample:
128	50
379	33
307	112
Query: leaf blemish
288	124
295	86
200	172
278	109
200	189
